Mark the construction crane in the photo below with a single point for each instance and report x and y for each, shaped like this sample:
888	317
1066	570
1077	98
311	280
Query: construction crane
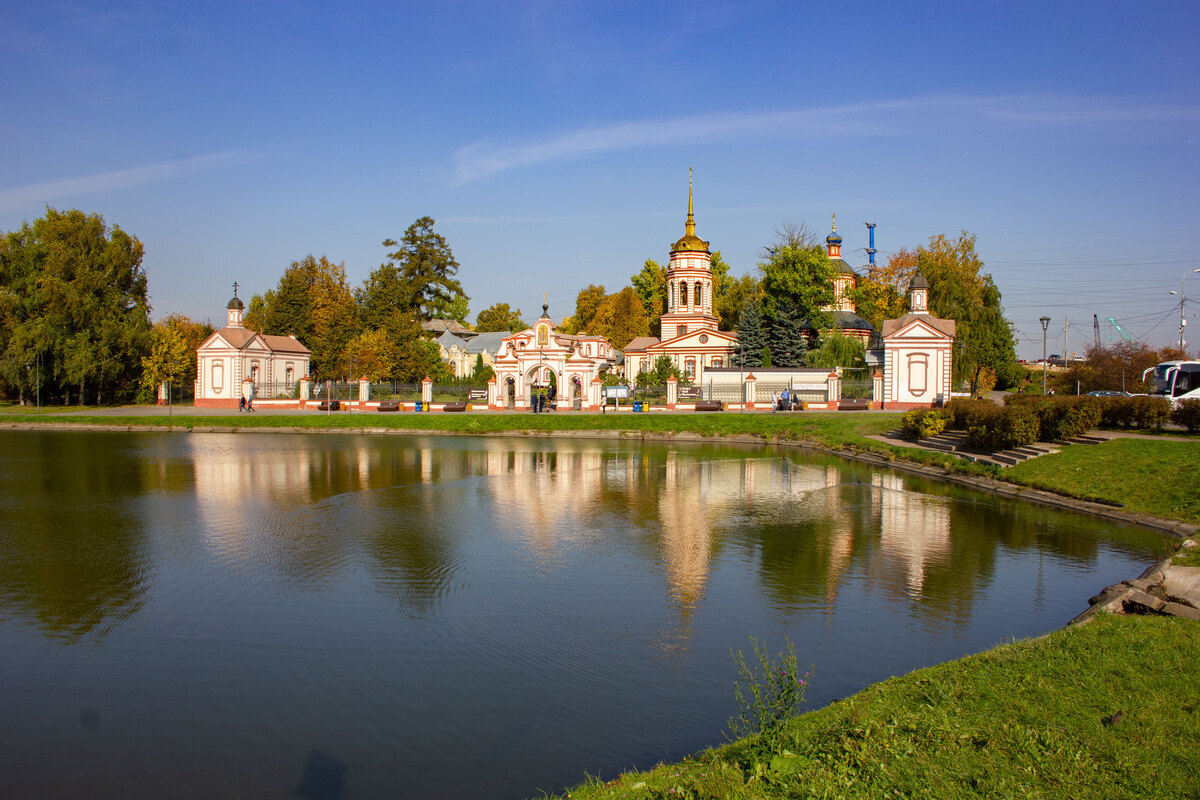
1124	333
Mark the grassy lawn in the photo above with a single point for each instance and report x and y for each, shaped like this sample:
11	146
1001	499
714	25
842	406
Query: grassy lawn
1152	477
1104	710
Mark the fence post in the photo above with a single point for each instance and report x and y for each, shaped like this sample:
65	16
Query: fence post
426	392
833	389
672	393
493	397
877	387
748	392
593	395
364	392
163	394
305	389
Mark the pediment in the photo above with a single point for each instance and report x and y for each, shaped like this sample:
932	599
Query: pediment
917	328
692	340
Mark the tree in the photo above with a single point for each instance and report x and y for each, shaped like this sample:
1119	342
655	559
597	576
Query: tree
172	357
498	317
1119	366
75	302
883	293
802	276
587	302
729	305
426	268
651	287
482	373
288	310
959	290
621	318
785	337
838	350
752	335
663	369
372	354
382	295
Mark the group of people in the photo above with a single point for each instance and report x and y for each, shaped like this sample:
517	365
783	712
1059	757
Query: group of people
543	400
785	401
246	403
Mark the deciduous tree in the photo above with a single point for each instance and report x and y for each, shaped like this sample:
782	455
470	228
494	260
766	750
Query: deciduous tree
802	276
426	267
499	317
621	318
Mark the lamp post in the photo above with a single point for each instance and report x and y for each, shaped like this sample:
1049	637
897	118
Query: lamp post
1183	309
1045	323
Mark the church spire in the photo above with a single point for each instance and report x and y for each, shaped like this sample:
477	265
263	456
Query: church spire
690	241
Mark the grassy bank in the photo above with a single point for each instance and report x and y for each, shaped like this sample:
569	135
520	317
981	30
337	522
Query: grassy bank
1104	710
1145	476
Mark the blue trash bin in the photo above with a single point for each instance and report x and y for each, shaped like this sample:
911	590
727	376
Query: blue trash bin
419	404
637	405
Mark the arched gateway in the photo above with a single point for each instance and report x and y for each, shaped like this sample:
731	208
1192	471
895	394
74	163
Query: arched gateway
541	357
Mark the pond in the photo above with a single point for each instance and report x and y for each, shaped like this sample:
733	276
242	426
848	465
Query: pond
324	615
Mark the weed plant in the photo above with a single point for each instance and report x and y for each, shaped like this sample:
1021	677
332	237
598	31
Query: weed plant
769	690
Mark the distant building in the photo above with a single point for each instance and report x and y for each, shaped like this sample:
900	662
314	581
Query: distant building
690	336
846	319
237	362
460	354
918	354
541	357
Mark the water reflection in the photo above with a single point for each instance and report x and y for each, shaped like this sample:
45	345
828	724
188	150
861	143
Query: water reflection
73	554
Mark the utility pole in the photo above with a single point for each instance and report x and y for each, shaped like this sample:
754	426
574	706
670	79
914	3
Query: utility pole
1066	330
1096	329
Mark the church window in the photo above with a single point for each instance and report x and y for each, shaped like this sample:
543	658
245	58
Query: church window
543	335
289	374
680	330
689	368
717	361
699	293
683	294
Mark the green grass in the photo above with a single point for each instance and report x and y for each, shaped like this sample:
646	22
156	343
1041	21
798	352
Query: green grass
1104	710
1154	477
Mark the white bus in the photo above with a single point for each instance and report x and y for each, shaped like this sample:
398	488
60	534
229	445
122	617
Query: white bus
1175	380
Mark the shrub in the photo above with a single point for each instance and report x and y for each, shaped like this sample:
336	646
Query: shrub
769	691
1187	415
1065	417
921	423
963	412
981	425
1116	411
1017	426
1150	413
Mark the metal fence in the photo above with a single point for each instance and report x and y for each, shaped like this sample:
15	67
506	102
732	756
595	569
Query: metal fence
857	383
390	390
279	390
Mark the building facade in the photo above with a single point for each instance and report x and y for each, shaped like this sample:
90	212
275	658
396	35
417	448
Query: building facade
690	334
541	358
918	354
236	362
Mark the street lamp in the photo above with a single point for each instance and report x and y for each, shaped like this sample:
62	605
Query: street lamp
1183	309
1045	323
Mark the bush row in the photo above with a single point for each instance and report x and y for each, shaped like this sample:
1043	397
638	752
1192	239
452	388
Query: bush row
1187	415
1139	411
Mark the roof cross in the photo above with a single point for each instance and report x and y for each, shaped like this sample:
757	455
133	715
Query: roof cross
235	288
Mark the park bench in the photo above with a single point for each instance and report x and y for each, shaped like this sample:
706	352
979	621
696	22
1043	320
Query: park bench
330	405
459	406
388	405
854	404
710	405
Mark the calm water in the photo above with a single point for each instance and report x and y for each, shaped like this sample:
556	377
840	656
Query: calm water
271	615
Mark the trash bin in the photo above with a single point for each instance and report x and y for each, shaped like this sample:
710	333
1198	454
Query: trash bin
419	406
637	405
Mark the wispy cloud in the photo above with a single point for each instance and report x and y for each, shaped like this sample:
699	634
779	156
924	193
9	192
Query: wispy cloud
882	118
42	193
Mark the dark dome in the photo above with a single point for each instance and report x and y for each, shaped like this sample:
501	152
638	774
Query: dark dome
236	303
833	238
918	282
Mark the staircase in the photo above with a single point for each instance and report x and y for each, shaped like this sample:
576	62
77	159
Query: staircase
956	442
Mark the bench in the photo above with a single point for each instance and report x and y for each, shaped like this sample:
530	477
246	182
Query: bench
459	406
710	405
854	404
388	405
330	405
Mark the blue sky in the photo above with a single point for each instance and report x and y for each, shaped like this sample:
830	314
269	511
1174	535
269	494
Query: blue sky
551	140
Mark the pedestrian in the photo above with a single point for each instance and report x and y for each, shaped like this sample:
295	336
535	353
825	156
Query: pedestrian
774	401
241	404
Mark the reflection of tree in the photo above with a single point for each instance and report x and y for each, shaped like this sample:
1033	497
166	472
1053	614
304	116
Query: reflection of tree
414	559
72	548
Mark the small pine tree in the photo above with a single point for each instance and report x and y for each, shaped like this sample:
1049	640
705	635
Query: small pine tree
752	335
786	335
766	357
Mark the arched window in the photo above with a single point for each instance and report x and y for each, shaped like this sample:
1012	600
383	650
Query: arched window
699	293
689	368
680	330
683	294
716	362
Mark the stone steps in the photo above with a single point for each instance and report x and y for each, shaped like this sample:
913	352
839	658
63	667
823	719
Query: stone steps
956	442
